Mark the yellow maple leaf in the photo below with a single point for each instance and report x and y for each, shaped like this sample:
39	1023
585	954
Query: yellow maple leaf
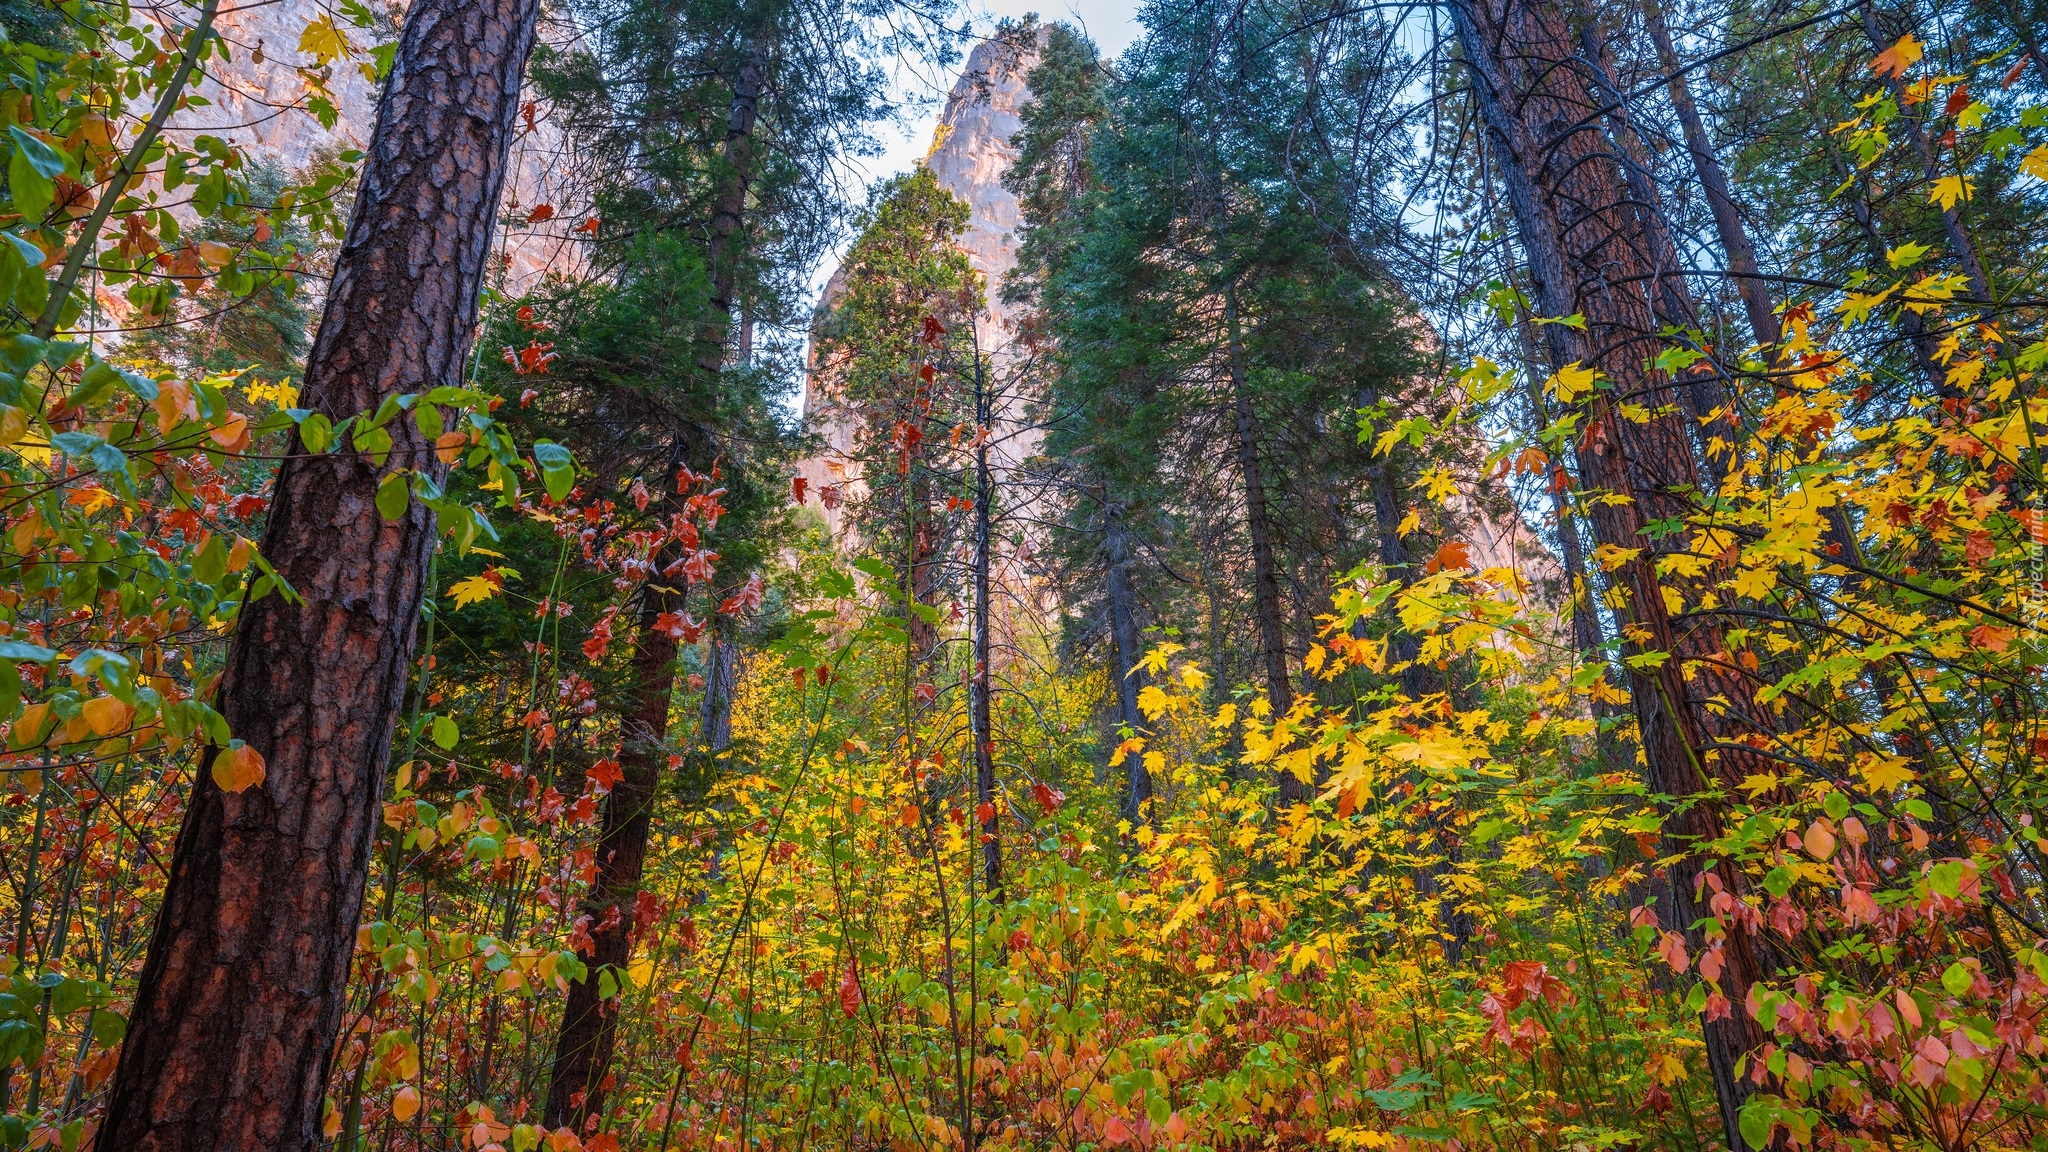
1948	190
474	590
324	42
1439	484
1571	381
1894	60
1153	702
1610	557
1753	582
2036	163
1882	773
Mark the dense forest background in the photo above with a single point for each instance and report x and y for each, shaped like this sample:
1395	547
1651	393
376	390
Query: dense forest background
1473	577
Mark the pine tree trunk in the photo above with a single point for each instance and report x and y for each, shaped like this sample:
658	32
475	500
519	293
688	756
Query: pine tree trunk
1704	393
1265	567
233	1029
583	1046
1587	253
721	679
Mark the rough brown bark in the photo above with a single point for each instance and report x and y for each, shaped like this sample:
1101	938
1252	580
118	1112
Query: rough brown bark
234	1023
1704	393
1587	253
1258	523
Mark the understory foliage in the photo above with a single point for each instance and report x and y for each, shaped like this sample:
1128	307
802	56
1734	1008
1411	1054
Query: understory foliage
1400	878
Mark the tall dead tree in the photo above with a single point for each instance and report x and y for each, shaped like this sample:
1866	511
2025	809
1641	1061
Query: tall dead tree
233	1028
1588	252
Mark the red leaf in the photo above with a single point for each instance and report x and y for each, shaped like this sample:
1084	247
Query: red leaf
1046	797
604	774
849	990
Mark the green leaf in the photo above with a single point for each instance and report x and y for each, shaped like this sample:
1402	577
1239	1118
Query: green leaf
212	562
98	377
1946	879
19	650
1836	804
1780	880
557	468
394	493
445	733
109	1028
1756	1126
40	156
32	174
69	996
1956	979
75	443
316	432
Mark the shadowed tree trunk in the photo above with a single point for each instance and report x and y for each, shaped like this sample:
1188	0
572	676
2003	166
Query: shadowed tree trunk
583	1047
1126	649
1706	164
1258	523
980	692
1588	253
235	1015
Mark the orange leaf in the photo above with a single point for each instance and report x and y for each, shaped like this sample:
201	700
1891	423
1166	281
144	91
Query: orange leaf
1994	639
1454	554
1894	60
237	767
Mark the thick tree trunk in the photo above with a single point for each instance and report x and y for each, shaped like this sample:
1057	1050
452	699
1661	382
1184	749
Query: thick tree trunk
583	1046
234	1022
1265	567
728	213
1587	252
1705	392
1126	649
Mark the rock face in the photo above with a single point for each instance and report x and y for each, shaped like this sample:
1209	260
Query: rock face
970	154
261	99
